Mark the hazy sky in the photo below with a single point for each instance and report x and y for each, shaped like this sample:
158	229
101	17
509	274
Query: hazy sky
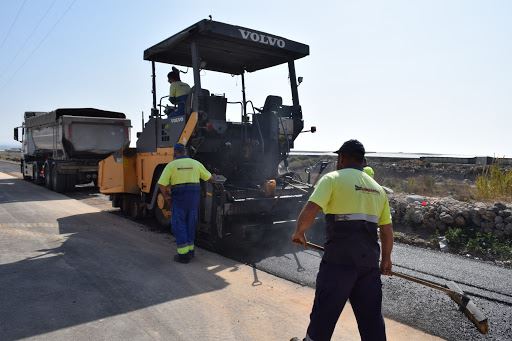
410	76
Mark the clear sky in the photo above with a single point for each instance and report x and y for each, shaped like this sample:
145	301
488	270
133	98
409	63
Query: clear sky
409	76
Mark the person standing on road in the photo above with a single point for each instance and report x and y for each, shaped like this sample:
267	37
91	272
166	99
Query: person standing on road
183	176
354	205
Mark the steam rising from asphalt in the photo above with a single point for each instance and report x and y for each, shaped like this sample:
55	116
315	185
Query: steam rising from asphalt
260	241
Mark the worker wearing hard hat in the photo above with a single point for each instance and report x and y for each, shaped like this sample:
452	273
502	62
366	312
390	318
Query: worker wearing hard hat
178	92
367	169
354	205
183	175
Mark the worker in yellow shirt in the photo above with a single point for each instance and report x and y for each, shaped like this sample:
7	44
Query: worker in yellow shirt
367	169
178	92
355	205
183	176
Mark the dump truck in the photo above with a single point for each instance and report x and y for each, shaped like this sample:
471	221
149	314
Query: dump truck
62	148
245	155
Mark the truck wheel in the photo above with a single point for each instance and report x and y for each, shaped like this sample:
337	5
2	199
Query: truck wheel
131	207
35	174
22	167
161	211
48	177
59	181
125	205
135	210
116	200
70	182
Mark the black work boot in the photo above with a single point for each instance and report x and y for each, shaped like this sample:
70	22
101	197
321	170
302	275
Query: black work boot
182	258
191	254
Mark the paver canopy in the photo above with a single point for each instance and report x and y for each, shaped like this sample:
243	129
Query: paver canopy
226	48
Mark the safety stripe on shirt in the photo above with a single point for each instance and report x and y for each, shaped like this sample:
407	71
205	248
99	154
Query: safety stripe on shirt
191	184
356	216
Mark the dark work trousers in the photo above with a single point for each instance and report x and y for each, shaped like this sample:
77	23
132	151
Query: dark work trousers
185	204
335	284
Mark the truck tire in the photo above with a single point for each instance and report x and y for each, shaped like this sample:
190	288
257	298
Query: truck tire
22	168
131	207
70	182
117	200
48	176
36	177
58	181
135	209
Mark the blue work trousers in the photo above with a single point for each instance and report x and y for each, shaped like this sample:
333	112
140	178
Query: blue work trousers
185	204
180	106
337	283
183	224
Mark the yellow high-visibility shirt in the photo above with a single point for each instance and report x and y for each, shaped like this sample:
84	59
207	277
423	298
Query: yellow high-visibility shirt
184	171
178	89
352	192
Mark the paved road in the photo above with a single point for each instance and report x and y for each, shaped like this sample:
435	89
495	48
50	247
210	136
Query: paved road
490	286
70	271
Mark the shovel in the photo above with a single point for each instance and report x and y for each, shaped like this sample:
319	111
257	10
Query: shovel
452	289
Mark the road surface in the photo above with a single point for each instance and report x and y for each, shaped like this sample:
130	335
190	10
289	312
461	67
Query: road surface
70	271
489	285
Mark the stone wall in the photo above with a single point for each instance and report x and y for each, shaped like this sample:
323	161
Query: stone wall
442	213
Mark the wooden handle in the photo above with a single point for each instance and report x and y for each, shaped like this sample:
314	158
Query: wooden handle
421	281
397	274
467	306
315	246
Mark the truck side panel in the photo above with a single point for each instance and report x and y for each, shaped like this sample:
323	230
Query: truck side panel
94	136
44	139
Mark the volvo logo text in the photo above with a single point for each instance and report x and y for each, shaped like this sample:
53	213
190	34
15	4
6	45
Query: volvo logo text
262	38
177	119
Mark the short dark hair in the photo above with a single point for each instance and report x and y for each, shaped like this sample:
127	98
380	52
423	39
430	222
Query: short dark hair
173	75
353	149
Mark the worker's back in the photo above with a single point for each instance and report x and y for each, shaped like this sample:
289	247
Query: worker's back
354	205
183	175
351	191
179	89
183	171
